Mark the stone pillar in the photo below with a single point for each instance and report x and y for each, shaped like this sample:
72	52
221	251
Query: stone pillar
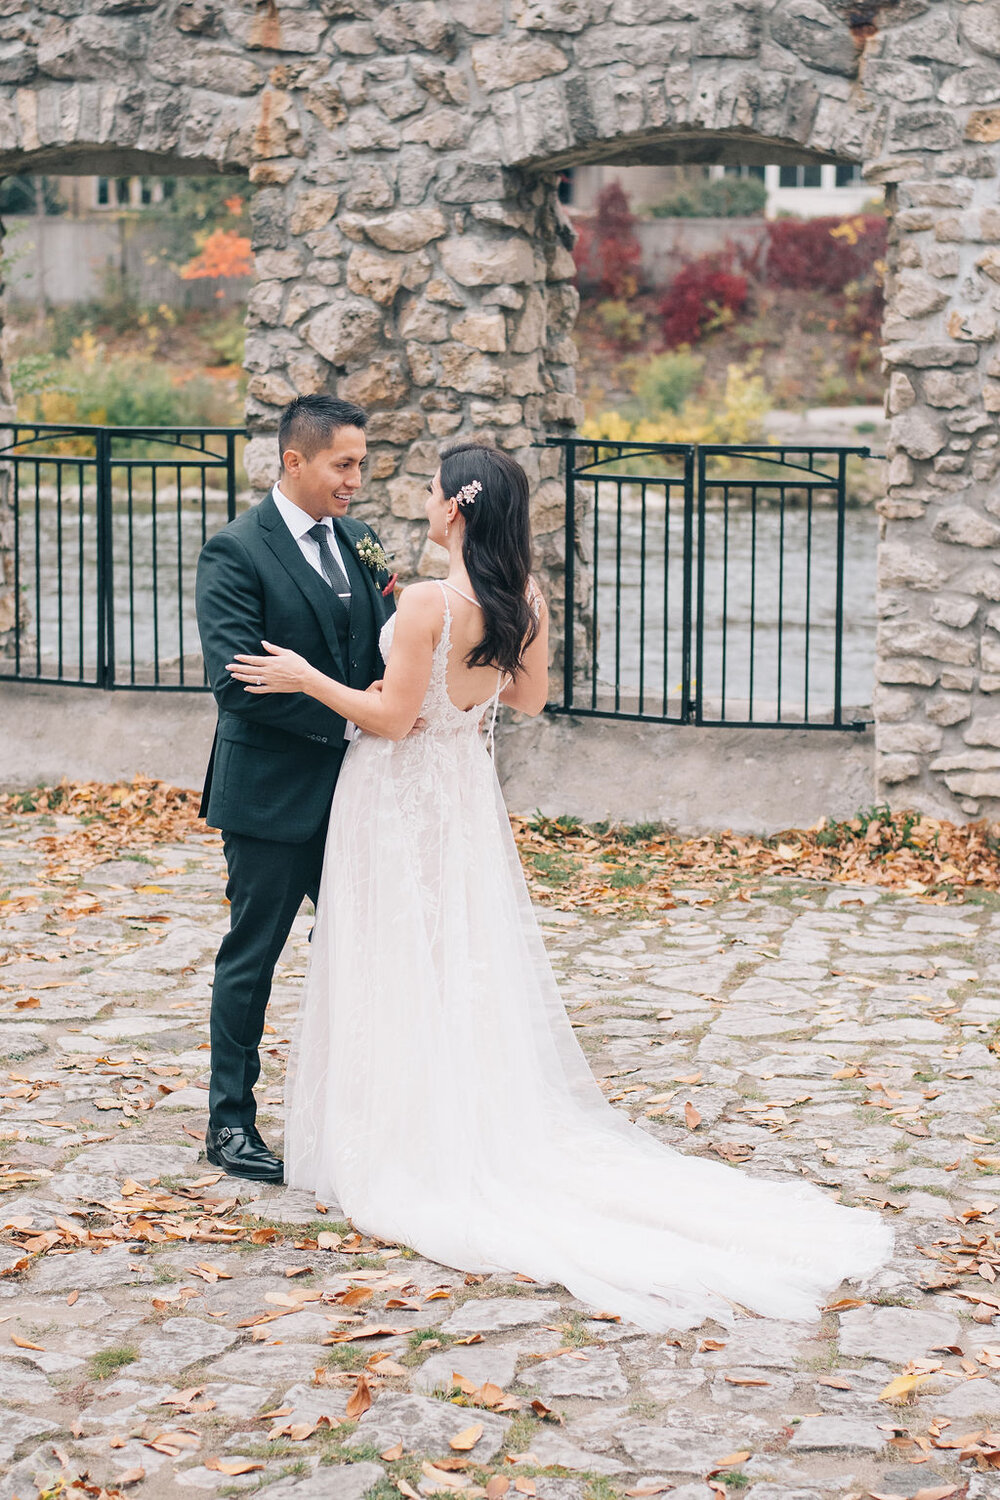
937	705
399	268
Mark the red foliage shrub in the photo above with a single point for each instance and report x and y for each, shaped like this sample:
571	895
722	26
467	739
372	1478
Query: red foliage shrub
704	290
823	254
607	250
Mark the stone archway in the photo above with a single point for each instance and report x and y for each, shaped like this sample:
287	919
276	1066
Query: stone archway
411	252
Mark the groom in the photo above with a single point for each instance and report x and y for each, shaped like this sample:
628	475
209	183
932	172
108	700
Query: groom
289	571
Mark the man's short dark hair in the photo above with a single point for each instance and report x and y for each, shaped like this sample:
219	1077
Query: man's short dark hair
309	423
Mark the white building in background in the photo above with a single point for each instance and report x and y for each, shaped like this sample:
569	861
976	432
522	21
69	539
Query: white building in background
808	191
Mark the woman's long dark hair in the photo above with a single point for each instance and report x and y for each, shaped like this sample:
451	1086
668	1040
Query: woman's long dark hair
496	550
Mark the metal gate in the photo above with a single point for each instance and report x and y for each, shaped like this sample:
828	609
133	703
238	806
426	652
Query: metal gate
106	529
710	585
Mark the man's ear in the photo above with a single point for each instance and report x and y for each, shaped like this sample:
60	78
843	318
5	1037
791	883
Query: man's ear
291	461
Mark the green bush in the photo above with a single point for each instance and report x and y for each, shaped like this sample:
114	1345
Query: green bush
132	390
666	382
714	198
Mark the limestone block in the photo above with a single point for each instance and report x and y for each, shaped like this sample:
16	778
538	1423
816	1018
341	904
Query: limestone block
508	61
893	769
373	275
422	365
407	228
312	209
464	369
408	497
484	331
531	328
980	26
973	85
523	377
260	459
264	303
222	72
399	426
899	80
442	423
977	326
917	433
949	708
346	330
900	565
504	414
989	654
552	15
984	730
559	406
974	783
306	372
369	189
481	17
891	705
562	304
967	760
273	390
925	128
479	262
402	27
945	388
327	103
89	46
368	129
441	129
924	356
966	527
916	295
356	39
901	393
434	561
913	638
731	30
962	679
942	260
561	265
278	265
273	31
920	739
422	320
301	300
955	610
901	471
548	507
423	458
382	382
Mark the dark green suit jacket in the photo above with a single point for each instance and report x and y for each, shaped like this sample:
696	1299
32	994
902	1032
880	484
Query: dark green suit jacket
275	759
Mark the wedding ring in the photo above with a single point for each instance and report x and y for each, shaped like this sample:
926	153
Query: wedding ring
260	682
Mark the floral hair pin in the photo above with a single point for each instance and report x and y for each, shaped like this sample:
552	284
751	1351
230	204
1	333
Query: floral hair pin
467	494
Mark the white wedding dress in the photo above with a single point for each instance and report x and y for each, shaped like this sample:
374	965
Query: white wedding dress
438	1094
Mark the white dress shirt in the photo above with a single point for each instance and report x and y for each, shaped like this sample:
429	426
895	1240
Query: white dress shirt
299	523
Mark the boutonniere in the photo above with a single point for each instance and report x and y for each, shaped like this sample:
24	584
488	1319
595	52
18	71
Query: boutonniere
373	555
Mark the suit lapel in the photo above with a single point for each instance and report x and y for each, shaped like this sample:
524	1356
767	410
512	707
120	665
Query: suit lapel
319	594
362	583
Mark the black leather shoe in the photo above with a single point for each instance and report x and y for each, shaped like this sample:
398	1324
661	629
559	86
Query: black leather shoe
240	1151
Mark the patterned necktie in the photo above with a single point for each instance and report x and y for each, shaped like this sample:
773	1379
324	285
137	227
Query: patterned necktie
332	570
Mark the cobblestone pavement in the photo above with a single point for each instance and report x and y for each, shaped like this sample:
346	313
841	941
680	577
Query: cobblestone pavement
162	1329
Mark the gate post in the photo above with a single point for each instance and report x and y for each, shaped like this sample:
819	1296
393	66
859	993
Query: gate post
105	565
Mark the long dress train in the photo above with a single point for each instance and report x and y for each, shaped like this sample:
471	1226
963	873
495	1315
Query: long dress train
437	1092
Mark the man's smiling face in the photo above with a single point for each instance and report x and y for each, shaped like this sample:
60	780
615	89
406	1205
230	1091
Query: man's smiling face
325	484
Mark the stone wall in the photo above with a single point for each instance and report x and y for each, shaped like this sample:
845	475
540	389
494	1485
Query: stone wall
411	252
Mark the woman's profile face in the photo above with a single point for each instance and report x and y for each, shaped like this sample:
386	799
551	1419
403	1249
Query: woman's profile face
437	510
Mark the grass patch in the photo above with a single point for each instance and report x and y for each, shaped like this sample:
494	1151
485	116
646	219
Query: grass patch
107	1362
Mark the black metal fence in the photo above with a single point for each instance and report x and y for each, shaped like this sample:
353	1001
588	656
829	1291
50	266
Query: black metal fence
710	585
720	584
107	526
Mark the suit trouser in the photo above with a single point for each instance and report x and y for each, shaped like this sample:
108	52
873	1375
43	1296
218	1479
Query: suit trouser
267	881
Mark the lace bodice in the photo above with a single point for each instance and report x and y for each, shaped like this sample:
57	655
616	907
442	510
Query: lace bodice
437	710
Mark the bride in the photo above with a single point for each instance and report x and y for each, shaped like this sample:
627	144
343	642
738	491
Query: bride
436	1089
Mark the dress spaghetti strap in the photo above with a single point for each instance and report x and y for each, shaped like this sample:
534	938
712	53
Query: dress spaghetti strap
461	592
